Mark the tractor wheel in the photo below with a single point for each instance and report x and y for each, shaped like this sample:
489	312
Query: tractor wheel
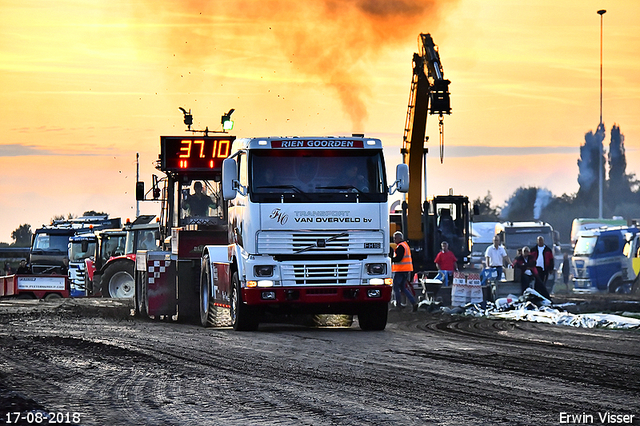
117	280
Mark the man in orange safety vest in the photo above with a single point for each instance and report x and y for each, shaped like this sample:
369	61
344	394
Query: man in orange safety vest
402	266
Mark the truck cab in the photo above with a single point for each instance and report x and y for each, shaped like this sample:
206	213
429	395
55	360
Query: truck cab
603	260
308	228
516	235
81	247
49	247
50	243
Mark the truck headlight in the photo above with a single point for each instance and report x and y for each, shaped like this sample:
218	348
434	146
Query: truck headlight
263	270
376	268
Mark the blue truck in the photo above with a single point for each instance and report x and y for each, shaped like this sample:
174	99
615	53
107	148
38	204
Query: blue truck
603	260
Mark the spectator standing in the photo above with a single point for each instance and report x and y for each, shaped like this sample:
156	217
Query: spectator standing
8	270
544	259
446	262
496	256
23	268
402	266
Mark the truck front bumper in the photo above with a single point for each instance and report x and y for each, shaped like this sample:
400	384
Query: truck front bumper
330	299
584	286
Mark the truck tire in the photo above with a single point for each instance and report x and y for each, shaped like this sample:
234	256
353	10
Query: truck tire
117	280
617	286
188	291
243	317
207	308
210	314
373	317
140	309
51	297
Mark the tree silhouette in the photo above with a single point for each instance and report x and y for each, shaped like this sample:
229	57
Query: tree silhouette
488	213
22	236
619	183
94	213
589	166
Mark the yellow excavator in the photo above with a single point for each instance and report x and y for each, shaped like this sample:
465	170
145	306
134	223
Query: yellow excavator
445	217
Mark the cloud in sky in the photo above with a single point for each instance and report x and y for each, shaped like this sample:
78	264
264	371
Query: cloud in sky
18	150
22	150
328	41
459	151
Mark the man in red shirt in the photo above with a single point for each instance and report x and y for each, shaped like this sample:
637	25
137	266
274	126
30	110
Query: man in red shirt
446	263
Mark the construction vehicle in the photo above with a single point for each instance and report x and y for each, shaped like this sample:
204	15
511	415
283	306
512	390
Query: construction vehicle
50	244
444	218
282	226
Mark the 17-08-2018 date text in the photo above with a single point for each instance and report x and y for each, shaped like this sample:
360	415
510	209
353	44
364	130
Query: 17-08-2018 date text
41	417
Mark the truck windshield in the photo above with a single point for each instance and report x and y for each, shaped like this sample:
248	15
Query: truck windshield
518	238
51	242
317	175
77	254
585	245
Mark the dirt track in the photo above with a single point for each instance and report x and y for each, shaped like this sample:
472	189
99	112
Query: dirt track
91	357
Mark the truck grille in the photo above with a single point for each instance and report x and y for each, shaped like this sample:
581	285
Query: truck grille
292	242
300	273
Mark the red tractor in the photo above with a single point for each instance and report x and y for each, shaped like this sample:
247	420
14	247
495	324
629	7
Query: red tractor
110	273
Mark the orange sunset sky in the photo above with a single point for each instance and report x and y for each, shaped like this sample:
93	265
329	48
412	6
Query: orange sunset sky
87	84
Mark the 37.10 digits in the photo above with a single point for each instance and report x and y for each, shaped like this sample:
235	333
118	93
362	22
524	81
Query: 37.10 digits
41	417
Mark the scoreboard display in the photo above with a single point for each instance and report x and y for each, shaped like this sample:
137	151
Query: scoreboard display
194	153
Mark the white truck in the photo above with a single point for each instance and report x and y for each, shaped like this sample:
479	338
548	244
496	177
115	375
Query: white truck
296	226
482	234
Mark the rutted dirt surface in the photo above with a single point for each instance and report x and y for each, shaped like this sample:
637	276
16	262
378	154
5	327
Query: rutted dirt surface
91	357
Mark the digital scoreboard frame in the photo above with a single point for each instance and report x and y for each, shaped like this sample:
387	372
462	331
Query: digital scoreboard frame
183	154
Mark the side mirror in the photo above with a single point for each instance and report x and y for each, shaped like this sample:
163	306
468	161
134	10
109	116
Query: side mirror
402	179
84	246
229	179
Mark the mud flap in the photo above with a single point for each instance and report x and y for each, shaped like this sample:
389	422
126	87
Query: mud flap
189	291
159	289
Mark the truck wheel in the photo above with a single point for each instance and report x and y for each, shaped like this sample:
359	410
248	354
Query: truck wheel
52	297
117	280
243	317
139	309
617	286
210	314
207	308
373	317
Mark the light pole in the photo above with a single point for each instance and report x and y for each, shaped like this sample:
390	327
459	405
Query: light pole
600	168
